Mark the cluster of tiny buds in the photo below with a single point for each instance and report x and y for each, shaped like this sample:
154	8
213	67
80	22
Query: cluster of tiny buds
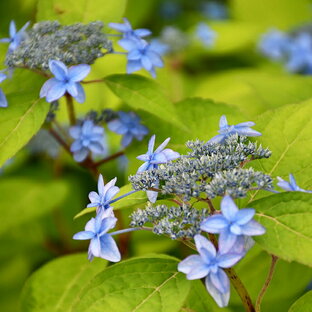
49	40
176	222
105	116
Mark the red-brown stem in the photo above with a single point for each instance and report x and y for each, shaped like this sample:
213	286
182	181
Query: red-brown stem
60	140
70	109
109	158
92	81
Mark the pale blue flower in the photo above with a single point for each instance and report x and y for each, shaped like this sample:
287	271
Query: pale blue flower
102	244
205	34
66	80
232	225
16	37
141	55
128	124
128	32
3	99
215	10
227	130
209	264
88	137
160	47
300	54
274	44
290	186
105	194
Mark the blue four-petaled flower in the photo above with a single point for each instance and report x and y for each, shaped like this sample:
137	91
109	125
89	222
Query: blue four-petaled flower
88	137
226	130
290	186
128	124
232	225
102	244
16	37
66	80
105	194
209	264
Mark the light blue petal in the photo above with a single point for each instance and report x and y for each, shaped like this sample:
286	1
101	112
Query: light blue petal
228	260
252	228
146	62
162	146
111	193
222	300
108	186
228	208
214	224
81	154
217	139
58	69
109	249
76	146
133	66
292	180
107	224
143	157
75	132
134	55
199	271
127	139
158	158
142	32
81	96
189	263
170	154
155	59
78	72
143	167
128	44
12	29
152	196
247	131
47	86
100	185
226	241
120	27
97	148
246	124
71	88
5	40
244	215
56	91
95	247
94	197
284	185
117	126
90	226
235	229
220	281
3	99
202	242
83	235
223	122
151	144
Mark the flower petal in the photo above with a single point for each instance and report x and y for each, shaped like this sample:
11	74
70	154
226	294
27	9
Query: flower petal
78	72
109	249
111	193
94	197
214	224
107	224
244	215
229	259
203	243
252	228
95	247
152	196
58	69
170	154
220	281
217	139
226	241
222	299
126	139
12	29
3	99
81	96
47	86
81	154
56	91
151	144
83	235
162	146
189	263
71	88
228	208
133	66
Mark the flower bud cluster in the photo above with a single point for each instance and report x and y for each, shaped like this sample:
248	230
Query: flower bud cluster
49	40
176	222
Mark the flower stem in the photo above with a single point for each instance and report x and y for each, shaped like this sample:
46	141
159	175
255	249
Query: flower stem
130	230
70	109
60	140
266	283
109	158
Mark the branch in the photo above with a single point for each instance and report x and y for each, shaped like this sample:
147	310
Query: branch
109	158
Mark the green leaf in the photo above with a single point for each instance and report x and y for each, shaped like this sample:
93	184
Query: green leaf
24	115
303	304
130	201
137	285
58	285
80	11
30	199
287	218
145	94
287	133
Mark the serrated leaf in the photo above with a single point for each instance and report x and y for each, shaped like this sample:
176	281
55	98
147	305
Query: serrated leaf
58	285
145	94
287	218
137	285
24	115
80	11
30	199
130	201
303	304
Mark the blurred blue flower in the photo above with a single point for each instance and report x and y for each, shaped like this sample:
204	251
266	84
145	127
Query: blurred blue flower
16	37
65	80
290	186
274	44
160	156
209	264
88	137
159	47
105	194
128	124
170	9
128	32
300	54
215	10
227	130
232	225
102	244
3	100
141	55
205	34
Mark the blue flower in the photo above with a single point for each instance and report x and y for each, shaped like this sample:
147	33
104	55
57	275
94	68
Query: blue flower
232	225
66	80
227	130
102	244
127	30
160	47
160	156
290	186
105	194
3	100
205	34
300	54
16	37
141	55
128	124
215	10
209	264
275	44
88	137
